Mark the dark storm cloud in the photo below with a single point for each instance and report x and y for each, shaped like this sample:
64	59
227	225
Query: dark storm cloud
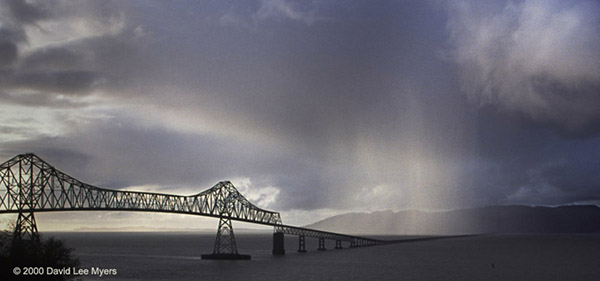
531	68
75	67
538	59
58	82
515	161
336	104
12	29
24	12
311	83
16	14
320	88
159	156
12	35
54	57
8	52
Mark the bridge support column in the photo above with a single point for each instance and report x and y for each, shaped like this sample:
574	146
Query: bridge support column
321	244
225	246
338	244
353	243
278	244
26	228
26	232
301	244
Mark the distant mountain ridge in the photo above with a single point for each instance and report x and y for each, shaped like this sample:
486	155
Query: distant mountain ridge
493	219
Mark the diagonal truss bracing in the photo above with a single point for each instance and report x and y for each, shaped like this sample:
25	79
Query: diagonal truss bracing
29	184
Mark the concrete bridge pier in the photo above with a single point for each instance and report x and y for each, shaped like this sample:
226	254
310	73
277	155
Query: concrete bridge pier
322	244
338	244
301	244
353	243
278	244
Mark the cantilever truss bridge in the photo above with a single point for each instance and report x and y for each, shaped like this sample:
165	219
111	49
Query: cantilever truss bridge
28	184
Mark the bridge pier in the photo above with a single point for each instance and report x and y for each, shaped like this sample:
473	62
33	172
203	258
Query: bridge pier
26	232
301	244
278	244
353	243
225	245
321	244
338	244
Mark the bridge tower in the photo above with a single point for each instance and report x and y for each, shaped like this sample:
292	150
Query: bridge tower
21	182
225	245
26	228
25	241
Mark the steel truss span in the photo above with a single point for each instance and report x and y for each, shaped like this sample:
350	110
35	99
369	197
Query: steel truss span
28	184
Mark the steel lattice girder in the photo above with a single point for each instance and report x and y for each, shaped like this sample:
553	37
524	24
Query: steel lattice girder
53	190
29	184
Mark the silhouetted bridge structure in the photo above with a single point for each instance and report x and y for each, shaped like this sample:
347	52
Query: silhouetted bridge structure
28	185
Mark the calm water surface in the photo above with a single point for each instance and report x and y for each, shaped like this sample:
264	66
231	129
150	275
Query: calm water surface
176	256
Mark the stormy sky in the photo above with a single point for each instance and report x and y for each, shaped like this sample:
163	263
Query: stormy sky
311	108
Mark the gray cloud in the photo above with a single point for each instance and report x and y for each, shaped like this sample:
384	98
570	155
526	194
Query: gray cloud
37	99
58	81
8	52
56	58
26	12
98	56
333	105
516	162
12	35
534	58
17	14
174	161
284	9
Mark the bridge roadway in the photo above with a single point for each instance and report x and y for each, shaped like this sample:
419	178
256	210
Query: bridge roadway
28	184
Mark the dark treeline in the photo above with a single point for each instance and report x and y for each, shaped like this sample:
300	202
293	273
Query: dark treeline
50	252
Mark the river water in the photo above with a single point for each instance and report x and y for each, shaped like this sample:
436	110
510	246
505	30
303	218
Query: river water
176	256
